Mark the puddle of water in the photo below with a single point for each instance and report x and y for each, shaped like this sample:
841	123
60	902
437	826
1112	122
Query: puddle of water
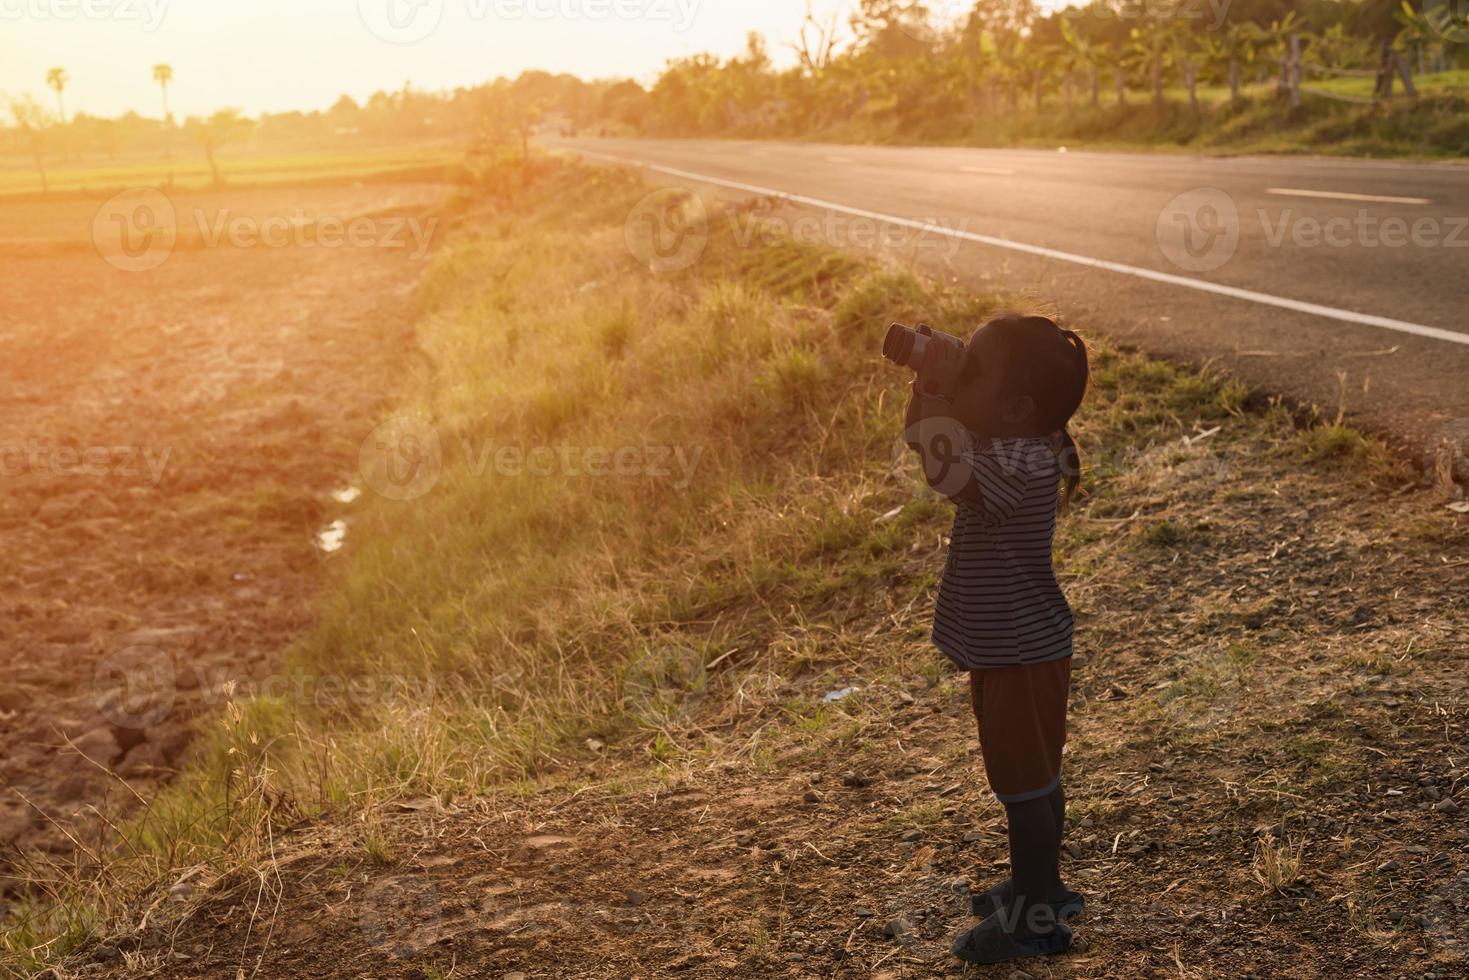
330	538
346	495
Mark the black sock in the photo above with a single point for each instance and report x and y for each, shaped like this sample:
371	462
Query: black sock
1034	851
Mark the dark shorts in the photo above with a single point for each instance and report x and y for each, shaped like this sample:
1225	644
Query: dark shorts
1021	713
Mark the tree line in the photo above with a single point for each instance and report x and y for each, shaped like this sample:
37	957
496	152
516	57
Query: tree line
897	60
894	58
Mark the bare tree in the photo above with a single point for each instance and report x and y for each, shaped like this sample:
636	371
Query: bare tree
818	42
30	119
225	126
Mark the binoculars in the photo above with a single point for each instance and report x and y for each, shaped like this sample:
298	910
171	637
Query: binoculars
934	355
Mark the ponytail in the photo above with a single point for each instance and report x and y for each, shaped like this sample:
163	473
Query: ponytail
1070	459
1070	456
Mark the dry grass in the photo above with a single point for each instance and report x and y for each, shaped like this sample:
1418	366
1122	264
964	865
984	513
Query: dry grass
1277	864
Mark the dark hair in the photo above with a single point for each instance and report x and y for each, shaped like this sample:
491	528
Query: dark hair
1050	365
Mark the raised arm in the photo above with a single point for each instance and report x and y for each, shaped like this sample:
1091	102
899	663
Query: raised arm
940	441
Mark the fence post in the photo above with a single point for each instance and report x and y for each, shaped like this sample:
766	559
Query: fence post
1295	71
1384	73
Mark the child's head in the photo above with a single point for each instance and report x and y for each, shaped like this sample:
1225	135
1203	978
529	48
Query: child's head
1023	376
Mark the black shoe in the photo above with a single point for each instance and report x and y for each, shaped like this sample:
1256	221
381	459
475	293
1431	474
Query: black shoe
988	942
986	904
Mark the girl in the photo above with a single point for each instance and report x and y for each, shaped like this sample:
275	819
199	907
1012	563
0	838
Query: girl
991	428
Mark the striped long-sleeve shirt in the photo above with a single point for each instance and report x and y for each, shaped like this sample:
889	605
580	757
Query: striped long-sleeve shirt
999	603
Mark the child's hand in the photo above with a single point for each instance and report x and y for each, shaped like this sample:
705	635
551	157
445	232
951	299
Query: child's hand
938	375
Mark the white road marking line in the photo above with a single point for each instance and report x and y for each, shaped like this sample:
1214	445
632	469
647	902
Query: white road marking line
994	171
1202	285
1343	196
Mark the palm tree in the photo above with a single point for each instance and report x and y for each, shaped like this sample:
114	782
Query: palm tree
163	74
57	79
1037	60
1083	55
1185	48
1418	34
1277	36
1153	47
1232	49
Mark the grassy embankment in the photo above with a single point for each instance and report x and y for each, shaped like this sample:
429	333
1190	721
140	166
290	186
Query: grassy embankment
1434	125
500	631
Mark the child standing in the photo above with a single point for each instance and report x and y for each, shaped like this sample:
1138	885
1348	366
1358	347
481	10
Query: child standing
993	438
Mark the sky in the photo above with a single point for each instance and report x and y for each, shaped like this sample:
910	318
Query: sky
275	55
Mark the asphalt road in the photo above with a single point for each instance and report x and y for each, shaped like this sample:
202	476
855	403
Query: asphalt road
1288	271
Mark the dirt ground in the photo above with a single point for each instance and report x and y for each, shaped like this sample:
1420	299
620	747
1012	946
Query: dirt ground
169	441
1267	775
